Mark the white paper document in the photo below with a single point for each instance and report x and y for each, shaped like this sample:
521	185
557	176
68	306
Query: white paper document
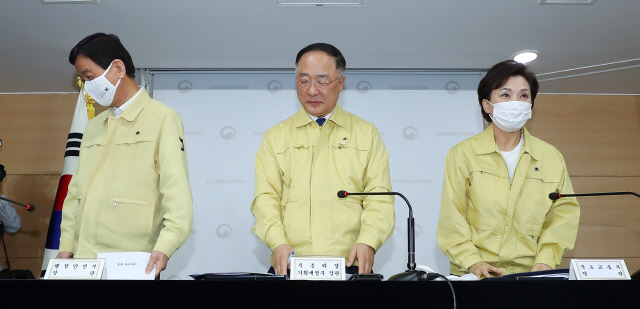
127	265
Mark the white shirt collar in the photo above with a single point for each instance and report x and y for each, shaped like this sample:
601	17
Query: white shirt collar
117	111
325	117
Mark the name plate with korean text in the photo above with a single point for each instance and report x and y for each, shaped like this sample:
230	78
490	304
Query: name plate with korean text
75	269
306	267
583	269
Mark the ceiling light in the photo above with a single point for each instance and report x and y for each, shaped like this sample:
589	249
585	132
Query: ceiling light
525	56
320	2
543	2
69	1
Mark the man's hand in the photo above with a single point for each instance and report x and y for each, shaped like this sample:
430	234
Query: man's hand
364	254
64	255
541	266
280	259
484	269
159	259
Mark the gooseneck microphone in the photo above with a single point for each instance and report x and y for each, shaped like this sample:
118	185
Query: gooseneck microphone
27	207
411	274
555	195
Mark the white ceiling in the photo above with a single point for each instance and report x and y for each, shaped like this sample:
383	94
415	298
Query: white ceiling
455	34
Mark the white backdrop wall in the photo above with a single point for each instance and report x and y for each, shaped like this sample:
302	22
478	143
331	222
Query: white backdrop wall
420	116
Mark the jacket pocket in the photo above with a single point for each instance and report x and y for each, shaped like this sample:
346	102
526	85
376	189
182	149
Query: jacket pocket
350	164
534	202
121	201
543	179
126	222
485	233
487	194
136	148
346	221
98	140
292	161
528	239
295	218
533	230
133	139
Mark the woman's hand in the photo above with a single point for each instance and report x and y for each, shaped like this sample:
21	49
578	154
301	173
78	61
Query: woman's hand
64	255
481	269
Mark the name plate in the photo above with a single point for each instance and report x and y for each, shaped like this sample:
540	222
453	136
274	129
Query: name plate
582	269
306	267
75	269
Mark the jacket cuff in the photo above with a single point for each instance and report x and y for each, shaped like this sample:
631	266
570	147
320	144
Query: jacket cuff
370	239
66	246
546	256
276	238
474	258
165	246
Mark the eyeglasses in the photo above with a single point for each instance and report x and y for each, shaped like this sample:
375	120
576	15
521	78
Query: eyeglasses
321	83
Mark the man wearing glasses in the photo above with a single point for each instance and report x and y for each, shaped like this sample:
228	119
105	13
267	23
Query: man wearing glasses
305	160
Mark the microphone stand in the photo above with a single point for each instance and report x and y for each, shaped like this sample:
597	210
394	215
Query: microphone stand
555	195
411	274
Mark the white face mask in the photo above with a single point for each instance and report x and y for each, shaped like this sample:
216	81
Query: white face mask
510	116
100	89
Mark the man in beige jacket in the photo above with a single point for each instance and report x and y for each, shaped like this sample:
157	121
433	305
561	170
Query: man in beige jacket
130	191
305	160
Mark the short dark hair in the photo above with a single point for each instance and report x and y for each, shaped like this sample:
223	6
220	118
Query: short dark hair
328	49
102	49
498	75
3	174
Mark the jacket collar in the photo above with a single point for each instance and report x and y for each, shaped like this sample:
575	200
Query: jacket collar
136	106
132	111
302	117
487	143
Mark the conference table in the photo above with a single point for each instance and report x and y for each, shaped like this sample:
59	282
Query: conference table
303	294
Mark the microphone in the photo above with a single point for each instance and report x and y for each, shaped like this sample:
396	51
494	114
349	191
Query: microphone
411	274
555	195
27	207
